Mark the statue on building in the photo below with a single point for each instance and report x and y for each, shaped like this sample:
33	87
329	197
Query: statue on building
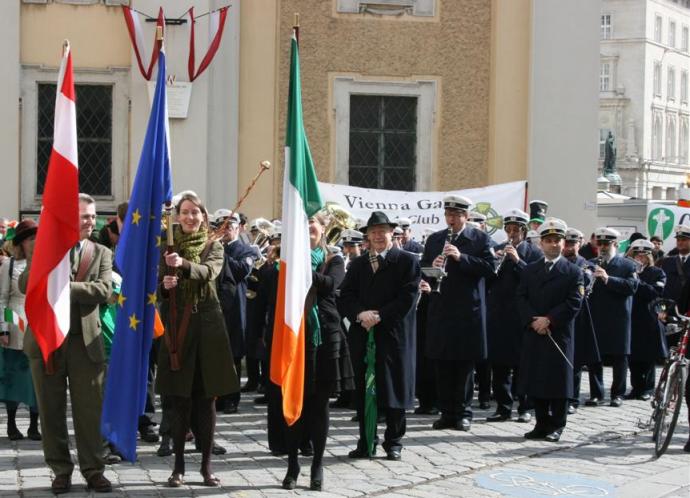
610	155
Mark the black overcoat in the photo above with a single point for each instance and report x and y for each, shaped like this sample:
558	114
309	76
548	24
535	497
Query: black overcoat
676	275
648	341
457	316
586	347
557	294
504	329
611	305
392	291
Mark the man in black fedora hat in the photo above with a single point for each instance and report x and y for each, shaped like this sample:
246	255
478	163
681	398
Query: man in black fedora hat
380	291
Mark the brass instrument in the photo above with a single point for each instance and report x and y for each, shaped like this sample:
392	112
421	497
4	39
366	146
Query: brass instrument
339	221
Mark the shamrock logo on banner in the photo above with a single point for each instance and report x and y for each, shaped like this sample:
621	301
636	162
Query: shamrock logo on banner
660	222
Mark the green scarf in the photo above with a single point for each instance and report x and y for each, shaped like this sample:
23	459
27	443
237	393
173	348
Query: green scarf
318	256
190	246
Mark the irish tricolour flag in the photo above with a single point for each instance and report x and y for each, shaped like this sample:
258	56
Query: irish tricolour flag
301	199
47	297
13	317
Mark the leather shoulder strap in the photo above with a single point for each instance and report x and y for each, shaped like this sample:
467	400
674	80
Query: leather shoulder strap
86	258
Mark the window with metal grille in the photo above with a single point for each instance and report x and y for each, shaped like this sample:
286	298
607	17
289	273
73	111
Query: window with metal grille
94	136
383	142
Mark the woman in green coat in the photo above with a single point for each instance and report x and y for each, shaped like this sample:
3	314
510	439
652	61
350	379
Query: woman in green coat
195	361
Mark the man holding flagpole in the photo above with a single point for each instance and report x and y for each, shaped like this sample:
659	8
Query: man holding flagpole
66	279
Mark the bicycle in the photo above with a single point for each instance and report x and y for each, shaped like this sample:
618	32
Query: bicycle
668	394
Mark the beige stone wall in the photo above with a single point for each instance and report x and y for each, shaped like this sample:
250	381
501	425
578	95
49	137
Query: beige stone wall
44	27
454	48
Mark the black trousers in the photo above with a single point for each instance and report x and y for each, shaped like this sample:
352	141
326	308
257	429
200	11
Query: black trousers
620	373
455	384
642	377
483	373
396	425
577	382
504	382
551	414
232	398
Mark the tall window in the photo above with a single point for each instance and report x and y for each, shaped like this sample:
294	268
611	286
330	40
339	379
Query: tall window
657	29
684	151
657	133
94	136
671	84
657	79
684	86
383	142
684	35
672	34
603	135
605	77
606	27
671	139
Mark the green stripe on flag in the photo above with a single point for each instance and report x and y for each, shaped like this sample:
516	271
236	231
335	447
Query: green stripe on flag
9	318
302	174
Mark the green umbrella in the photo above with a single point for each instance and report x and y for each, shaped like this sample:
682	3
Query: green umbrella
370	408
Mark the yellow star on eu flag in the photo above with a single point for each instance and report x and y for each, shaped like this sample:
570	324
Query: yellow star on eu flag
121	300
133	322
153	299
136	216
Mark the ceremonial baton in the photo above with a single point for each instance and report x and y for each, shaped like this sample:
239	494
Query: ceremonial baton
560	350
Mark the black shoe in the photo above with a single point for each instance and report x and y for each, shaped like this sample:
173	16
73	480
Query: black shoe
631	395
61	485
463	424
261	389
112	457
524	417
164	449
338	403
355	418
249	387
360	453
644	397
14	434
616	402
593	402
443	423
484	405
261	400
426	410
553	437
33	434
316	479
498	417
536	434
218	449
393	455
148	434
686	448
572	410
99	483
230	409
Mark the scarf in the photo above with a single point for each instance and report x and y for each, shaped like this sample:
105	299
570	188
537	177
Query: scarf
318	256
190	246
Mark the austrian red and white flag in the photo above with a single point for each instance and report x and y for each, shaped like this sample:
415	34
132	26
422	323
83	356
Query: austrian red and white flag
47	297
216	24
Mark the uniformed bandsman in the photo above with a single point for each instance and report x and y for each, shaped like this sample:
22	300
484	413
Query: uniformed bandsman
549	297
408	243
676	266
537	214
504	327
456	332
611	305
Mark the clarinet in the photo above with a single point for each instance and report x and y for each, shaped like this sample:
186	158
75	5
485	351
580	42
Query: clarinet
437	287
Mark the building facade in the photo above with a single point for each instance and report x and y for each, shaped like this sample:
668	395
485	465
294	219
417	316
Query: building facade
643	84
397	94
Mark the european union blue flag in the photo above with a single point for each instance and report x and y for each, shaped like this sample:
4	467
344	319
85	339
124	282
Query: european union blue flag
137	257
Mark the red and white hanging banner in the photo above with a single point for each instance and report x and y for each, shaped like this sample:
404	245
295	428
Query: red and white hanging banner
133	21
215	33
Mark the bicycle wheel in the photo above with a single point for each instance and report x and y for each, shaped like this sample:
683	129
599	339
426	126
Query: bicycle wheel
673	402
658	402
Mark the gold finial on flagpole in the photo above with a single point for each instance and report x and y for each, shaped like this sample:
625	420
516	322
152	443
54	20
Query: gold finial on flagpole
296	22
159	33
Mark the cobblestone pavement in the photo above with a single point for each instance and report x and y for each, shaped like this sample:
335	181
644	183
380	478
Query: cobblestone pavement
603	452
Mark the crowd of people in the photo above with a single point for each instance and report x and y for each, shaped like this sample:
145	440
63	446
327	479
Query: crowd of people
422	324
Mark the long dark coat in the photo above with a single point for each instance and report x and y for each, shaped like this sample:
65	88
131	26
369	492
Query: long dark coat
586	346
504	329
557	294
206	346
392	290
457	316
611	306
676	275
232	292
648	341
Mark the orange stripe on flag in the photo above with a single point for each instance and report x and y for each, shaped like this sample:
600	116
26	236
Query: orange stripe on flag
287	356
